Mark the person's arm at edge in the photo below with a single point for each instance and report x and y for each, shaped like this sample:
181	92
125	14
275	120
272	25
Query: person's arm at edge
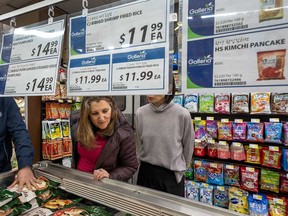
188	139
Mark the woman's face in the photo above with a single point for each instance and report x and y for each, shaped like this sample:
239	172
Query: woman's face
156	100
100	114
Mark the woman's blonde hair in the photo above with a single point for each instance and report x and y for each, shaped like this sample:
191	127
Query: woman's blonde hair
85	133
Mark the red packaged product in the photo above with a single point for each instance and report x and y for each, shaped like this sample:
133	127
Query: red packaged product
223	151
249	179
271	157
284	183
212	150
200	149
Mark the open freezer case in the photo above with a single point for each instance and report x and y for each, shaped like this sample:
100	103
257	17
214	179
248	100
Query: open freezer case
118	198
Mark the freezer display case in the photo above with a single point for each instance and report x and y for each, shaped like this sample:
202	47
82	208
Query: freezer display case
118	198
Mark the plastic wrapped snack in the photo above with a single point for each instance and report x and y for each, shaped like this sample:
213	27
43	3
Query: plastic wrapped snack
255	132
206	193
200	171
277	206
260	102
271	10
249	179
224	130
232	175
215	174
271	65
206	103
222	103
239	131
220	196
192	190
240	103
238	201
191	103
279	103
270	180
258	205
273	131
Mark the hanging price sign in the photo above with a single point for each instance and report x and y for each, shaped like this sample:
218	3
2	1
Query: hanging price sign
30	60
133	38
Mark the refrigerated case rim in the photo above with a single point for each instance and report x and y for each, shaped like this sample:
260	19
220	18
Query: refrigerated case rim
125	195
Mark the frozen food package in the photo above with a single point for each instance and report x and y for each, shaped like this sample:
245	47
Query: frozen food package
271	65
272	9
240	103
279	102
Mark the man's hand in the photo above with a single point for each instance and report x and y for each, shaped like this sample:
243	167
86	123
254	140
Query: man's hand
99	174
26	177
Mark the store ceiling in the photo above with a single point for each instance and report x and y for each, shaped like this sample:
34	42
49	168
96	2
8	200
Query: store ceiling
69	6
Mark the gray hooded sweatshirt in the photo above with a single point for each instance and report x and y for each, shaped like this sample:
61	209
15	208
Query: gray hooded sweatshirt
166	136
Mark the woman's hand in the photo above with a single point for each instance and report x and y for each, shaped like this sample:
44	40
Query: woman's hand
99	174
25	177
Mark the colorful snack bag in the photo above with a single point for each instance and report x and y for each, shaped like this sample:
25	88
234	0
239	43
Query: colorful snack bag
284	160
200	148
271	10
206	103
192	190
237	151
221	196
284	183
255	132
189	172
279	103
224	130
222	103
211	129
240	103
271	157
199	127
258	205
206	193
253	153
212	150
223	150
231	175
178	99
260	102
273	131
238	201
276	206
249	179
285	133
215	174
200	171
239	131
270	180
191	103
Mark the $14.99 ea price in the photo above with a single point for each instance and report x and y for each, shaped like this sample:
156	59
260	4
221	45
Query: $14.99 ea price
44	84
142	76
49	48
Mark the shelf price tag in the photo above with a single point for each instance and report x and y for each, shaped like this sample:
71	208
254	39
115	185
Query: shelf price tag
273	148
255	146
225	120
278	201
229	167
211	118
214	165
211	141
236	144
274	120
197	118
220	188
255	120
238	120
257	197
250	169
222	143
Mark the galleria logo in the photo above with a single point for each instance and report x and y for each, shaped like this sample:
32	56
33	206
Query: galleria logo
201	11
89	62
8	47
206	60
137	57
81	33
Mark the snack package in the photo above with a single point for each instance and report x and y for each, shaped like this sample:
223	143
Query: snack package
239	131
221	196
215	174
271	10
284	183
212	129
238	201
206	193
232	175
6	196
191	103
240	103
260	102
222	103
276	206
258	205
271	157
178	99
60	203
285	133
189	172
224	130
199	127
192	190
212	150
271	64
200	171
200	148
252	152
206	103
237	151
279	102
223	151
270	180
255	132
249	179
273	132
284	160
